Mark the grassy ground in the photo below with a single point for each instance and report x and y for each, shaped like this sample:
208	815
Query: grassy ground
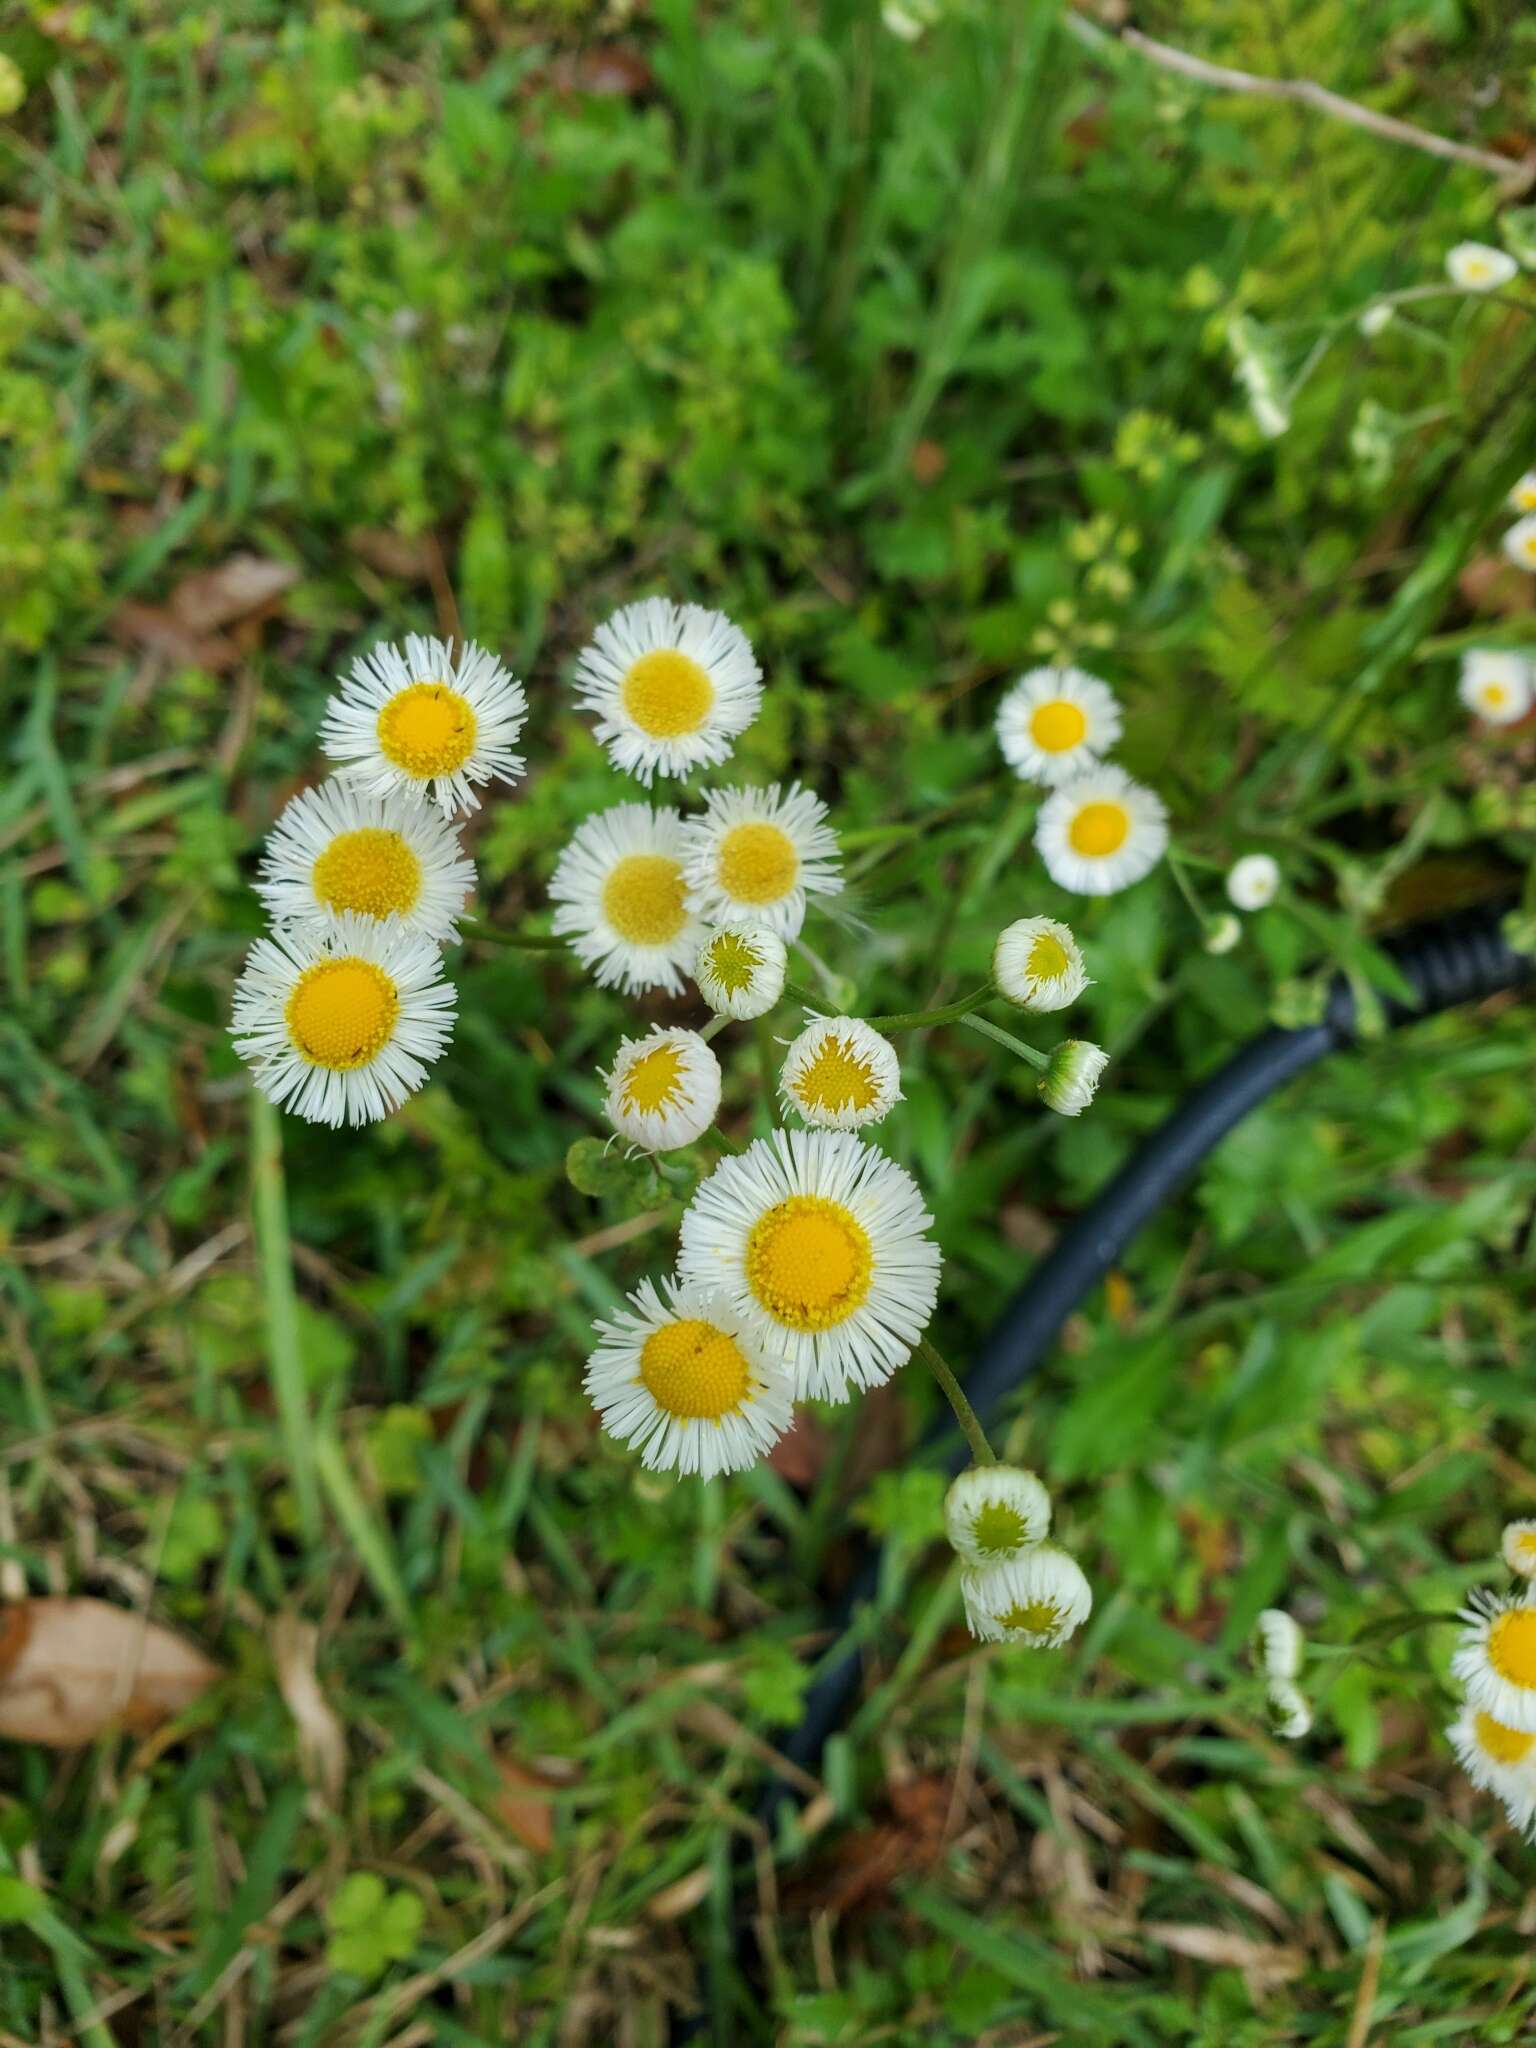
919	359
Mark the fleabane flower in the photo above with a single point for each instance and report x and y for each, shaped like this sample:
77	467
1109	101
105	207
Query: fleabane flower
1056	722
1290	1711
1498	1759
1253	882
740	969
1280	1643
819	1239
1496	1657
841	1073
1518	1545
1037	964
663	1089
1523	496
425	723
1101	832
622	901
340	1024
1476	267
689	1382
1498	686
1520	543
387	858
759	854
1037	1598
995	1511
673	687
1071	1080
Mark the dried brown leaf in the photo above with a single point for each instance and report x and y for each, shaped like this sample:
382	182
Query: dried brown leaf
1226	1950
525	1807
71	1668
322	1743
236	588
149	625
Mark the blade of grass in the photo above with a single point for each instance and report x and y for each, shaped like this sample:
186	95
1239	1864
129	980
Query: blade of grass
280	1308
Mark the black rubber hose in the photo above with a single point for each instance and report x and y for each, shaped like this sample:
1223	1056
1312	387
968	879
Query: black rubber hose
1455	960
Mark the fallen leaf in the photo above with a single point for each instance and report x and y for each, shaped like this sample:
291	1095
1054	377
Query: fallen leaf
804	1448
155	628
322	1743
392	554
674	1900
1227	1951
525	1806
71	1668
236	588
929	462
1491	584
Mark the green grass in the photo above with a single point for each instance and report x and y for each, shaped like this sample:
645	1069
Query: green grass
917	360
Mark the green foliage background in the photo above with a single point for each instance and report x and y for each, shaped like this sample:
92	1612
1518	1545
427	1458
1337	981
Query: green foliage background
913	357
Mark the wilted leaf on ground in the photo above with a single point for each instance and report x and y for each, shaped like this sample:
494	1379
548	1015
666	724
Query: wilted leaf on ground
236	588
525	1807
71	1668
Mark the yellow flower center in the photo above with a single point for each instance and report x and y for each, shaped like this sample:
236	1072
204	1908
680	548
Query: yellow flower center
1058	727
1099	830
809	1262
691	1369
342	1013
1048	959
643	899
1476	268
997	1526
1525	1543
427	729
654	1081
733	961
1031	1617
371	870
1503	1745
1528	545
838	1078
1512	1645
1495	694
758	863
667	694
1525	497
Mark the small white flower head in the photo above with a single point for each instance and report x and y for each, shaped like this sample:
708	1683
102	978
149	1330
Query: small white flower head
1496	1657
1518	1544
1280	1643
1290	1714
622	900
1038	1598
335	850
339	1024
1037	964
423	723
1071	1080
1498	1759
758	854
1476	267
1523	497
1253	882
1101	832
1376	319
820	1240
1056	722
673	687
689	1382
1520	543
841	1073
1499	687
663	1090
1222	933
740	969
995	1511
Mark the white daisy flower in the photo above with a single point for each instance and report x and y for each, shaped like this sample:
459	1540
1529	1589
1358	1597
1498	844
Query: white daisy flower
1498	1759
1496	1657
1518	1544
758	854
841	1073
1101	832
1222	933
1523	496
740	969
335	850
672	685
1280	1643
340	1024
1375	319
1039	1598
424	724
1520	543
1056	722
1253	881
1290	1712
688	1381
819	1238
623	901
1475	267
993	1511
664	1089
1071	1080
1498	686
1037	964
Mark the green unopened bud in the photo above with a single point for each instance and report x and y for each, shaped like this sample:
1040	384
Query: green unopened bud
1072	1078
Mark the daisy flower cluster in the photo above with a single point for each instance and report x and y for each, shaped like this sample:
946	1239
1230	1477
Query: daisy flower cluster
1017	1587
342	1009
1494	1735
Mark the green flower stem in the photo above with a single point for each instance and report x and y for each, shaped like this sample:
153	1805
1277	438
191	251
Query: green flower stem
965	1414
476	928
1186	888
952	1013
1014	1045
714	1028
